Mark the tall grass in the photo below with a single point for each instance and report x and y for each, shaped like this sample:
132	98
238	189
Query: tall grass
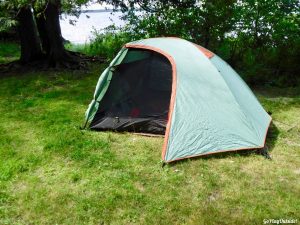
105	44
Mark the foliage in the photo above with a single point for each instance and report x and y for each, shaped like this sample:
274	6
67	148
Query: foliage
51	172
9	9
268	33
205	22
105	43
261	39
6	21
109	42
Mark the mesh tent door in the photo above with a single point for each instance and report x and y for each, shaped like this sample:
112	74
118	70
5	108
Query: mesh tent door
138	96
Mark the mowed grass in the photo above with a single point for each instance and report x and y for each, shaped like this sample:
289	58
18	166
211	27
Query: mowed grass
51	172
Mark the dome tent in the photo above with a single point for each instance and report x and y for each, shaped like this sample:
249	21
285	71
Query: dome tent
173	87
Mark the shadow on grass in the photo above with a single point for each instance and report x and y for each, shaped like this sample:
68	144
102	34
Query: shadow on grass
272	137
271	140
277	92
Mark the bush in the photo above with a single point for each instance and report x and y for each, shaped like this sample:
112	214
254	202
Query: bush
107	43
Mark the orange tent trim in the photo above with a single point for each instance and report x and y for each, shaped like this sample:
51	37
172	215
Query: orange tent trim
173	93
205	51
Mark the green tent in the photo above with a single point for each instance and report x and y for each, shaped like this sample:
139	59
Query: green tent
173	87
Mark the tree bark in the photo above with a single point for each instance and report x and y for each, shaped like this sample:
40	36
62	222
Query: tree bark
41	26
41	40
57	55
56	51
30	42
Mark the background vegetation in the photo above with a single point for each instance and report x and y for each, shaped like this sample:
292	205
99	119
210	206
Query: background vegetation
260	39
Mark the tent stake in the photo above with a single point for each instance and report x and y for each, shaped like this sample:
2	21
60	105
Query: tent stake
264	152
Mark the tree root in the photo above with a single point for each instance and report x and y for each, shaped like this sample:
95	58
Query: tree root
71	61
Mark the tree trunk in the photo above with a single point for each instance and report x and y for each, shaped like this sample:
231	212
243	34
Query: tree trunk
41	26
41	41
57	56
56	51
30	42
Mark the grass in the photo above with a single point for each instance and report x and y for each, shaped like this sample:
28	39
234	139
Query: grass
9	51
51	172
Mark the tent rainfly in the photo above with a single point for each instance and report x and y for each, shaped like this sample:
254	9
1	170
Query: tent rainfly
173	87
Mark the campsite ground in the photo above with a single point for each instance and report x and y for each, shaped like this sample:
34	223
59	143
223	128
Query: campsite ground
51	172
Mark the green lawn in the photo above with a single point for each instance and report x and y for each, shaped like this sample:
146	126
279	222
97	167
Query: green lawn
9	51
51	172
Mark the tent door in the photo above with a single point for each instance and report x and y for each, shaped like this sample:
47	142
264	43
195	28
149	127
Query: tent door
138	97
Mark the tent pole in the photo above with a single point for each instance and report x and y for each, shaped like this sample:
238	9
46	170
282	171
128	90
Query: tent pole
84	126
